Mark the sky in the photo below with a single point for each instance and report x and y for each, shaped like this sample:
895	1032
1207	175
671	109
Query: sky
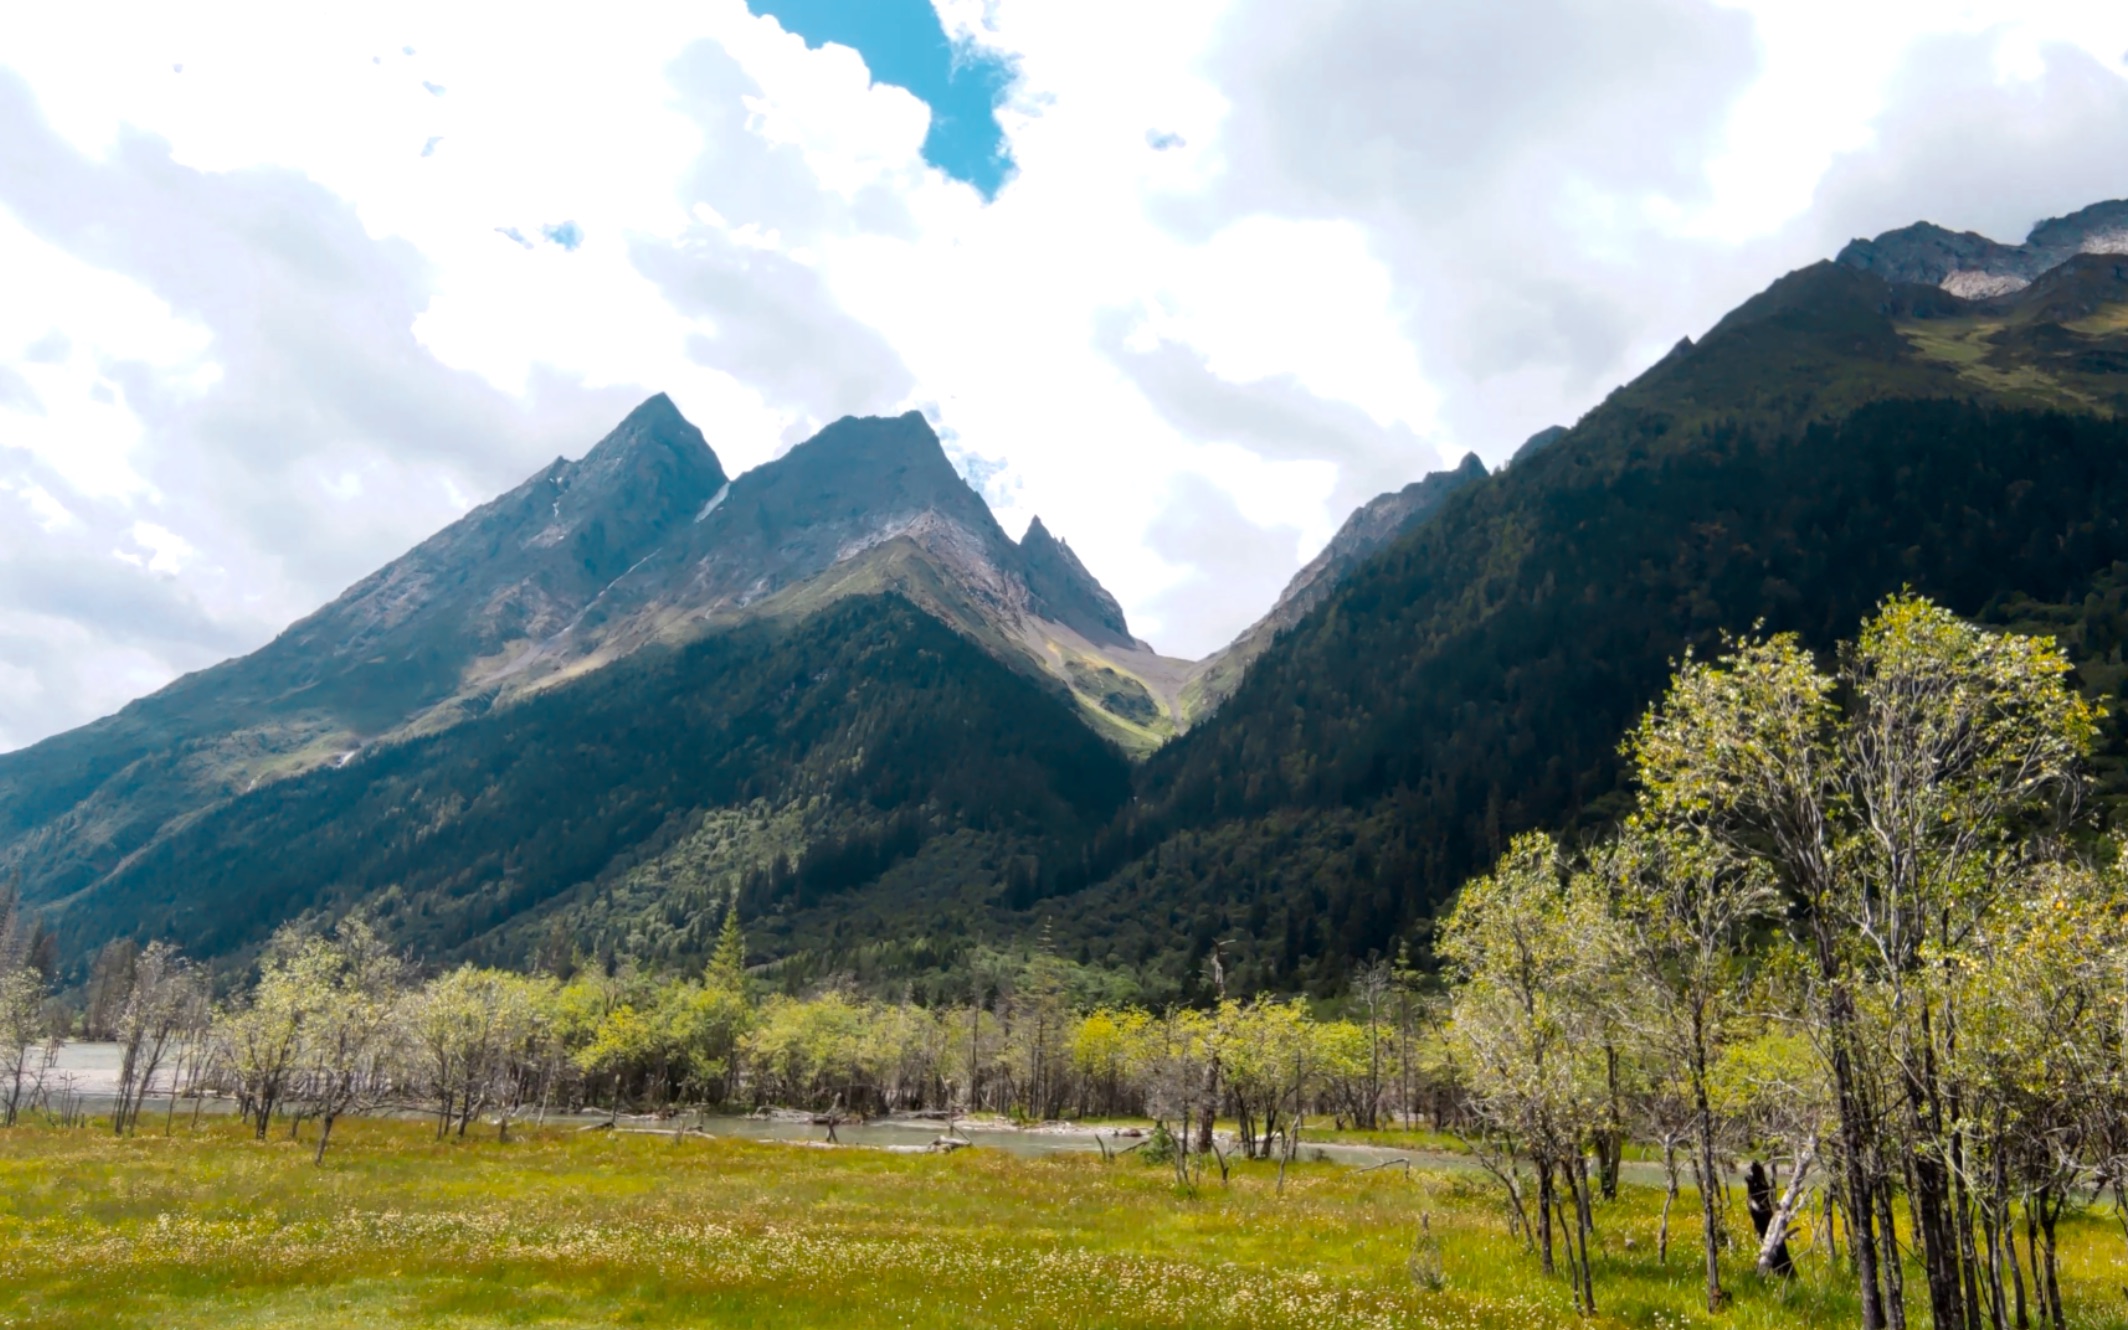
283	289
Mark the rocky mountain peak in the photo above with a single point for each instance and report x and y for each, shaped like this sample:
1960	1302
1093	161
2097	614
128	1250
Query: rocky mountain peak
652	472
654	442
1372	525
1063	590
1974	267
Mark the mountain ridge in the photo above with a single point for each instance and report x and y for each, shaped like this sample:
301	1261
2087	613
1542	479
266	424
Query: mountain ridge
1370	528
643	542
834	689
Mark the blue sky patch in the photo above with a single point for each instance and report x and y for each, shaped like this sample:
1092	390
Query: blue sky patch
904	44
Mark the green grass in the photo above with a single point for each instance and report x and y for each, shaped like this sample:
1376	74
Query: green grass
568	1229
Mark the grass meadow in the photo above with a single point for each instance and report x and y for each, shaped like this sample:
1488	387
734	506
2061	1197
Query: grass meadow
562	1228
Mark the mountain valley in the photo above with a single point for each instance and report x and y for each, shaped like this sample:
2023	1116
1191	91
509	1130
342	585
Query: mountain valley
635	688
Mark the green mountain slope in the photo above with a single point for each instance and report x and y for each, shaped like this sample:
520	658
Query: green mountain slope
1374	525
401	641
1817	450
795	761
643	546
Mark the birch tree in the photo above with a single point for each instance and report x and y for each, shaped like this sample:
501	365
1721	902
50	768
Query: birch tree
1895	799
1527	948
1685	910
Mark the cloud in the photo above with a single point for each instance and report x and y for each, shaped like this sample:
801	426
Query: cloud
1258	261
774	325
1963	146
1276	418
1502	159
17	395
1237	566
309	374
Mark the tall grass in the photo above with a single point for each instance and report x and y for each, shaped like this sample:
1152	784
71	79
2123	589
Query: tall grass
568	1229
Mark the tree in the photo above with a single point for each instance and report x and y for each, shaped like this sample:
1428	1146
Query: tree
110	979
461	1025
261	1034
153	1016
349	985
727	965
1896	800
1686	909
1527	948
22	993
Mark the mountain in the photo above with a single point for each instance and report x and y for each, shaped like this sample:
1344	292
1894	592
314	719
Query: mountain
834	690
401	642
1973	266
1551	434
1374	525
642	548
1836	438
868	505
1064	592
620	811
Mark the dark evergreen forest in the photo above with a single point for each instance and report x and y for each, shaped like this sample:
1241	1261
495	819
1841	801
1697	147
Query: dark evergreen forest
870	707
1475	680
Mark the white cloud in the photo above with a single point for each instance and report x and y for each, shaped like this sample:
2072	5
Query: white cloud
267	322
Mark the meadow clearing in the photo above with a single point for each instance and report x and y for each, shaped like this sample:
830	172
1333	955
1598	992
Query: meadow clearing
568	1228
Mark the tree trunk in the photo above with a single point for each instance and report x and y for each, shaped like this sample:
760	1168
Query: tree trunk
1773	1234
2048	1214
1577	1240
1710	1220
1894	1276
1209	1107
1545	1196
1854	1145
1662	1233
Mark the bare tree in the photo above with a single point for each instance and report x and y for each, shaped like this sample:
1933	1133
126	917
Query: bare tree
22	992
151	1016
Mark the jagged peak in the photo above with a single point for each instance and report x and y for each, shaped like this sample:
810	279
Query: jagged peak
1066	592
654	428
906	438
1973	266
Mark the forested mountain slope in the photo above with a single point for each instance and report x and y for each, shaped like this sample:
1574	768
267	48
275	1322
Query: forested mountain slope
1375	525
793	760
1834	439
833	688
644	545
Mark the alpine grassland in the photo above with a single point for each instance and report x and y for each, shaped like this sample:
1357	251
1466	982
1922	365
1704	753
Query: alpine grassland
561	1227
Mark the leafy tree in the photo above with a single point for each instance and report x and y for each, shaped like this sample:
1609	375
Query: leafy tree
1897	800
1686	911
1527	946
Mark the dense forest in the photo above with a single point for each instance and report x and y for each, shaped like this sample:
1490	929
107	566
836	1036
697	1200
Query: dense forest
887	801
1474	680
870	730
